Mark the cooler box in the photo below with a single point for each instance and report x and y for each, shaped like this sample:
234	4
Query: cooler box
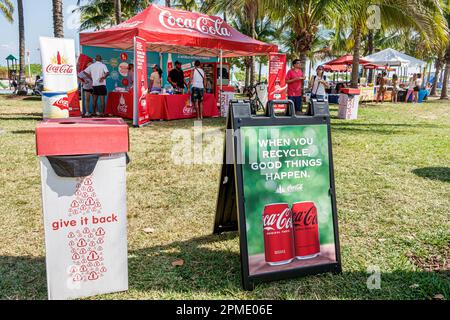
83	164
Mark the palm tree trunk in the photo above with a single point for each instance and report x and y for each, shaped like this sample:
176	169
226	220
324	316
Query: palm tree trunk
118	11
22	83
355	65
369	52
58	20
444	94
260	69
438	66
247	69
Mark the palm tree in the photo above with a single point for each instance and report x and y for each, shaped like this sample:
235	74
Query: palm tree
424	16
189	5
7	9
303	18
22	83
438	64
118	11
444	93
58	19
250	9
99	14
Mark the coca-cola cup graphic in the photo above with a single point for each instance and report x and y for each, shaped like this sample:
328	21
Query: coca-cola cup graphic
306	230
278	234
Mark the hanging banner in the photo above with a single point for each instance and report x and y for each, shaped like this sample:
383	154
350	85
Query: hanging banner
292	229
141	115
59	68
277	79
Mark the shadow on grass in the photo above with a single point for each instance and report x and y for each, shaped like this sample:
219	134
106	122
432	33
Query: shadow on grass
22	132
32	98
434	173
213	270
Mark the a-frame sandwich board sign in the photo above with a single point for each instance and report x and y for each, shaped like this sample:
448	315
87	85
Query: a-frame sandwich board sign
277	189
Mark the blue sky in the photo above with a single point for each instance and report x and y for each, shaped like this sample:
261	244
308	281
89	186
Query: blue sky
38	22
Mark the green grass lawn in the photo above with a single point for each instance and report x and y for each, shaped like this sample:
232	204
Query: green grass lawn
392	169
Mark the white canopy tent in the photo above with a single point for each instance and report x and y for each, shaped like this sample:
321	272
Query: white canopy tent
393	58
390	57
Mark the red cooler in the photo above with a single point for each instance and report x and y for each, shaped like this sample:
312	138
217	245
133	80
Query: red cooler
83	164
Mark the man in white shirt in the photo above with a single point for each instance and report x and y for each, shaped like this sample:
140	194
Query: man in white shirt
198	88
98	72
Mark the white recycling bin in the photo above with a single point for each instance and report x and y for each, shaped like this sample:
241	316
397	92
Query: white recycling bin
348	103
83	179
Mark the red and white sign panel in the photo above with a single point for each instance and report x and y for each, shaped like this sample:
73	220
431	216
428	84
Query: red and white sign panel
59	68
277	79
141	114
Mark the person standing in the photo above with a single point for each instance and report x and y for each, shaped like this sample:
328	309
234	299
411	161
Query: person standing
411	85
87	91
198	88
417	86
176	78
130	76
382	88
294	80
98	72
395	88
155	79
318	84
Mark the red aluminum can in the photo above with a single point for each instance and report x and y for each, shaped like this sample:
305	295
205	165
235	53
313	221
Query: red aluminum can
278	234
306	230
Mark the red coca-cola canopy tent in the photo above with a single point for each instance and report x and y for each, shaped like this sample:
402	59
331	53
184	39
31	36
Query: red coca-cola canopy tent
346	60
177	31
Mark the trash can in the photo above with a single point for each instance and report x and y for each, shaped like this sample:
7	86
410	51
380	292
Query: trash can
83	180
348	103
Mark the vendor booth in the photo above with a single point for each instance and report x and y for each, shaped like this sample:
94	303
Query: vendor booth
169	35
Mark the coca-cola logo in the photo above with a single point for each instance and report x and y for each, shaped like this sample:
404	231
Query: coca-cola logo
122	107
59	69
305	217
188	110
62	104
202	24
278	221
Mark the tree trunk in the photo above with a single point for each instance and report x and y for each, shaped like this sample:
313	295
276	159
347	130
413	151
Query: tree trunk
247	69
369	52
22	90
355	65
444	94
118	11
58	19
437	74
168	3
260	70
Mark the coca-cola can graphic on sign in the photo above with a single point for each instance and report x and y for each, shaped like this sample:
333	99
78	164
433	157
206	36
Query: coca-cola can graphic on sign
306	230
278	234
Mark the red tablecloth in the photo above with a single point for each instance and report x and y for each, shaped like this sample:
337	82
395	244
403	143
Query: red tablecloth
120	104
166	107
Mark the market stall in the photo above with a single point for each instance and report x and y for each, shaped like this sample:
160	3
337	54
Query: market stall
171	35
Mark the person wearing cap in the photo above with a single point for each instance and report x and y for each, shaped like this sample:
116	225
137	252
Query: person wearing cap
98	72
294	80
176	78
318	84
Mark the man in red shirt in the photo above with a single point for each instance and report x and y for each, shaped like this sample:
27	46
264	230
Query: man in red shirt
294	80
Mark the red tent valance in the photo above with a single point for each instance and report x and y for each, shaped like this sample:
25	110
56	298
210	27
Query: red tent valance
177	31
